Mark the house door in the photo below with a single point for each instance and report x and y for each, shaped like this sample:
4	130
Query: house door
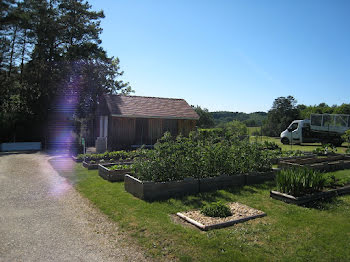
103	126
141	133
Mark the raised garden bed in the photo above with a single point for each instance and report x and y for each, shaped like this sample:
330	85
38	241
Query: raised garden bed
92	166
240	213
110	174
288	158
219	182
325	164
77	160
311	197
149	190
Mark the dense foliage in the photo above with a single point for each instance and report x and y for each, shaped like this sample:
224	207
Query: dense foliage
282	113
206	119
200	156
300	181
285	109
252	119
121	167
325	149
110	156
49	49
216	209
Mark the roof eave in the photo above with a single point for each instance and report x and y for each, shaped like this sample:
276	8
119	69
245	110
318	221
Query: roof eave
157	117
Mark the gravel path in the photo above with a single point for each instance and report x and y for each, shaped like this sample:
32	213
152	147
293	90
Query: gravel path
43	218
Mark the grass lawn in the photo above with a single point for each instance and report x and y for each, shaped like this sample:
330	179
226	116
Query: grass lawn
287	233
303	147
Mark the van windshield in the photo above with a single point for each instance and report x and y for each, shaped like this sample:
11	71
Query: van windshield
293	126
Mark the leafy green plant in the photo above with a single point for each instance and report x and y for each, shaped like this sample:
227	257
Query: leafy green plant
333	182
346	138
217	209
120	167
300	181
197	156
270	146
325	149
111	156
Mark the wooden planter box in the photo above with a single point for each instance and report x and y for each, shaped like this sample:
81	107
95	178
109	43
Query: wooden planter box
326	164
288	158
148	190
260	177
75	159
309	198
90	166
220	182
112	175
95	165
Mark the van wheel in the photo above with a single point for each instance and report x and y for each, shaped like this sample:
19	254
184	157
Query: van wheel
285	141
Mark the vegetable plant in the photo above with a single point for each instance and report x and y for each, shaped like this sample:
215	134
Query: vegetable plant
120	167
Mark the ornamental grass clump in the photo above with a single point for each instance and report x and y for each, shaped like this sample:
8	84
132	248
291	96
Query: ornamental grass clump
216	209
300	181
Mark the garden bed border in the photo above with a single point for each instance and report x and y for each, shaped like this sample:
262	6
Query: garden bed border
112	175
218	225
149	190
95	165
309	198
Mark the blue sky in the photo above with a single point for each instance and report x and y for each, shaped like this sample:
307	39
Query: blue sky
232	55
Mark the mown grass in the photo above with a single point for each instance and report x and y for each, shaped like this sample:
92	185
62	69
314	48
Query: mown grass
304	147
287	233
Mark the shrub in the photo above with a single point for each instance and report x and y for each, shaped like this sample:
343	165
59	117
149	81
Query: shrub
216	209
300	181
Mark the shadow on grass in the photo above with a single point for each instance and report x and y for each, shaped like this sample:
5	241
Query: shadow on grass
326	204
198	200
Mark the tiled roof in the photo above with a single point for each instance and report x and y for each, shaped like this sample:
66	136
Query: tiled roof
149	107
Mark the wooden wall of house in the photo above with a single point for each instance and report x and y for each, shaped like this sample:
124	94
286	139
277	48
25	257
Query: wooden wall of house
121	132
124	132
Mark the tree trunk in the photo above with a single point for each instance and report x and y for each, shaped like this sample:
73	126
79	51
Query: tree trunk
12	49
23	53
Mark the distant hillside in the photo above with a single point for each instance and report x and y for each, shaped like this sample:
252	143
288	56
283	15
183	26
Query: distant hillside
252	119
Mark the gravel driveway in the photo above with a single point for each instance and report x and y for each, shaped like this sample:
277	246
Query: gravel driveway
43	218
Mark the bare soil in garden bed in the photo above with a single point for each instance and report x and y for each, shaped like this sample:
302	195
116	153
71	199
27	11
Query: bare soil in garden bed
240	213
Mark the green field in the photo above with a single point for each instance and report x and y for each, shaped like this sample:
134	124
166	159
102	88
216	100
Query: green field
303	147
287	233
252	129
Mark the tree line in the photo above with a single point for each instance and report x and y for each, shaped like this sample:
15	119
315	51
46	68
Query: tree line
49	48
283	111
